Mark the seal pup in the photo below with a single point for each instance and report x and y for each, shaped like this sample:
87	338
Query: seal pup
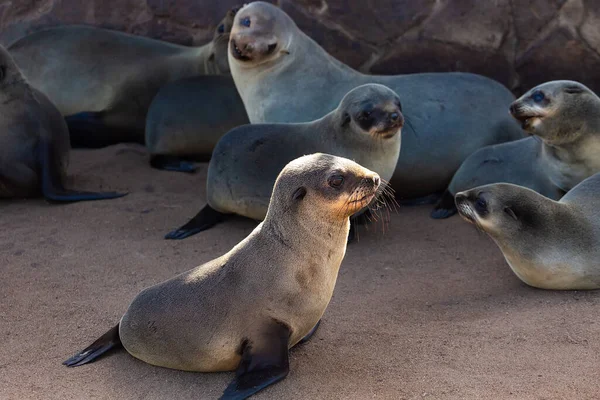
564	119
282	76
103	81
366	127
34	140
187	118
244	310
548	244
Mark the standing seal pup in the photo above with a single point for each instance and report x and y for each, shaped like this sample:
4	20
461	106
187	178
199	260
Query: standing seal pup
366	127
284	76
34	140
548	244
244	310
103	81
187	118
564	119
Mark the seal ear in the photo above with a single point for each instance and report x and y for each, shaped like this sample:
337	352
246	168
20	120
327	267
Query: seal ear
573	89
346	119
511	213
299	193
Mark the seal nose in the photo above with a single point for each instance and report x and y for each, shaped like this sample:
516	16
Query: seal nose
242	47
394	116
513	108
376	180
460	197
395	119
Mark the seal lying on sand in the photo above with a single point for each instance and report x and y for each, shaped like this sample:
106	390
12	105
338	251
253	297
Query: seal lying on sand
284	76
564	117
365	127
103	81
548	244
245	309
34	140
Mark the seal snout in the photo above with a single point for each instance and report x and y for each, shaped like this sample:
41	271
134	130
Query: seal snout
247	48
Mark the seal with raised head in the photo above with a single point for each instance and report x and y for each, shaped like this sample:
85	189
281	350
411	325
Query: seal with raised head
34	140
548	244
187	118
103	81
282	76
366	127
244	310
564	119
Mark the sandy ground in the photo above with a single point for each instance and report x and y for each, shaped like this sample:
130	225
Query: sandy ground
428	309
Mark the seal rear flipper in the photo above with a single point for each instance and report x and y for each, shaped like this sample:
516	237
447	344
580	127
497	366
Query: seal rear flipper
205	219
264	362
171	163
52	185
91	130
110	340
310	334
445	208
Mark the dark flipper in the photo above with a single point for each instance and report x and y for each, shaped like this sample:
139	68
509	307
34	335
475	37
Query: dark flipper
445	207
92	130
264	362
205	219
421	201
310	334
52	185
171	163
110	340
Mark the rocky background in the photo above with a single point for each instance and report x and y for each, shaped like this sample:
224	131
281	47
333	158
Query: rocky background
521	43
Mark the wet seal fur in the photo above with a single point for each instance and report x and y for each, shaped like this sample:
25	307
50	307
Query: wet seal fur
366	127
564	119
244	310
34	140
285	76
548	244
103	81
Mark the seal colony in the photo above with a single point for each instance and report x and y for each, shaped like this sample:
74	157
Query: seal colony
564	119
103	81
365	127
34	140
547	244
281	74
244	310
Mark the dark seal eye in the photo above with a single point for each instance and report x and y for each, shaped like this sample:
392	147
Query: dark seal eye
336	181
221	28
365	115
245	22
538	96
481	206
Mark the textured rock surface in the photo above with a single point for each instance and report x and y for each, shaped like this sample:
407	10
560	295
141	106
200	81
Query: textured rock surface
518	42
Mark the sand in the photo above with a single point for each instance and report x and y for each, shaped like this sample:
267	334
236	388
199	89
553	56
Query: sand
422	308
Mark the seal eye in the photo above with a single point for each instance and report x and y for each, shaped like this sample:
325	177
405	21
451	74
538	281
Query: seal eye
538	96
245	22
364	115
221	28
336	181
481	206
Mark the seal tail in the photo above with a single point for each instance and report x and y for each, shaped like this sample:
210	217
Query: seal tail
445	208
110	340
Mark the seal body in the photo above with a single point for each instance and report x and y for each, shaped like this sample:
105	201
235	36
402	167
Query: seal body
187	118
34	140
365	127
245	309
548	244
564	119
103	81
281	73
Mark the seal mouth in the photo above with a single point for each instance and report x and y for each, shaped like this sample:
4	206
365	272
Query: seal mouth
365	199
527	120
237	52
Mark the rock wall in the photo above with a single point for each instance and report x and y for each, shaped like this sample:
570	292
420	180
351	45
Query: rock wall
521	43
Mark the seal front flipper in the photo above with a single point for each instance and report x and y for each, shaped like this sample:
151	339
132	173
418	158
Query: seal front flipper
445	208
205	219
310	334
110	340
171	163
265	361
51	173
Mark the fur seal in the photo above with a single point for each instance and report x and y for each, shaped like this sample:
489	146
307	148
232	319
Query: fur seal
564	119
187	118
244	310
282	74
365	127
103	81
34	140
548	244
